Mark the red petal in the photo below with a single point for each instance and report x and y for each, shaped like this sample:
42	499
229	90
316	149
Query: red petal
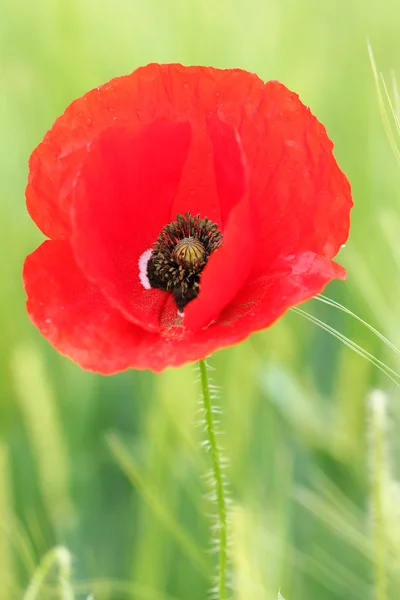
229	267
123	199
197	191
258	305
291	168
302	198
292	280
214	178
74	316
230	167
172	91
72	313
226	271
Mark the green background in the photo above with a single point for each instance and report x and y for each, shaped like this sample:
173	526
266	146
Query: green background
112	468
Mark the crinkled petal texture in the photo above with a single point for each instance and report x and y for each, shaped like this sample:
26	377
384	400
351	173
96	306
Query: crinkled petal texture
125	159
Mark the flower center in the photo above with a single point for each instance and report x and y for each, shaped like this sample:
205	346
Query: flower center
180	254
189	252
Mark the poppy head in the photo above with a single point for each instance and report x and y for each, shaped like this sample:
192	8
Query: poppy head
185	207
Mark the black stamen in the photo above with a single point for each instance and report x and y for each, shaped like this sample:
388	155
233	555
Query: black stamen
180	254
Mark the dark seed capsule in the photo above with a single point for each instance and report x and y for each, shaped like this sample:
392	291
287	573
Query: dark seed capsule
189	252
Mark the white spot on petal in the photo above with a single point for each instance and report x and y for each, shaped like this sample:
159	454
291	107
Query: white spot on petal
143	262
181	314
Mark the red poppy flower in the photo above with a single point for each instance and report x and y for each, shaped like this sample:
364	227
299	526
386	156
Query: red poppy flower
186	208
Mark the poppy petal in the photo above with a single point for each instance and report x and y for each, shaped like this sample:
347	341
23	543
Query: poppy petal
171	91
129	100
229	267
229	165
302	198
214	176
227	270
73	314
123	198
257	306
292	280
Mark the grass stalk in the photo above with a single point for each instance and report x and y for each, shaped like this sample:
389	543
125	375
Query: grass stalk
378	485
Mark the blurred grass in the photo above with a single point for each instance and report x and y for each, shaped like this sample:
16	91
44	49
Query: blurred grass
293	397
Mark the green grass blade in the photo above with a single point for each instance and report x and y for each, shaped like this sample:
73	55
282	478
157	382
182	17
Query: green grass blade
390	373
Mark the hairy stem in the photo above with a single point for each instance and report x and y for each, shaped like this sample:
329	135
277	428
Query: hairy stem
218	480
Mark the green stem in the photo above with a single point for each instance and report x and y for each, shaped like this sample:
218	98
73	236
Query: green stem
218	480
378	485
